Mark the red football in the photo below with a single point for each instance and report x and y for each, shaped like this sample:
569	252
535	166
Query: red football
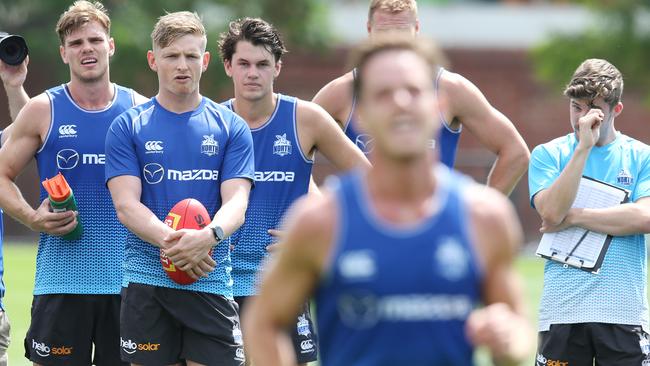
186	214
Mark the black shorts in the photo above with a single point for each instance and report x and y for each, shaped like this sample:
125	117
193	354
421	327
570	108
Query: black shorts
163	326
65	327
580	344
303	333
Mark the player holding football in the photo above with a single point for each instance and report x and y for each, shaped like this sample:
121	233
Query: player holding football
179	145
286	133
466	106
76	293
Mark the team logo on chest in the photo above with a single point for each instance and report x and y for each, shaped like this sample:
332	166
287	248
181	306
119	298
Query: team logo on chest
624	178
66	131
209	146
451	260
281	146
302	326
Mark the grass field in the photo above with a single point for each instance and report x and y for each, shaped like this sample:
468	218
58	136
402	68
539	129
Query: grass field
19	281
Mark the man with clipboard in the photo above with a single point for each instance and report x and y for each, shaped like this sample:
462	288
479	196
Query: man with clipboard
584	316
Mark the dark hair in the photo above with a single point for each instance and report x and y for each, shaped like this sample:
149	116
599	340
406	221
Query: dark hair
423	48
254	30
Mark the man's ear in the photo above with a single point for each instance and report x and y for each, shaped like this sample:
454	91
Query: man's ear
151	60
206	60
62	53
618	108
227	66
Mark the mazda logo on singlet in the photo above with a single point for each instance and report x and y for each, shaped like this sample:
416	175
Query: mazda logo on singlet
365	143
67	159
153	173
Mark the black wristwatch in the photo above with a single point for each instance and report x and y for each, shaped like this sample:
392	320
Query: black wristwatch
218	233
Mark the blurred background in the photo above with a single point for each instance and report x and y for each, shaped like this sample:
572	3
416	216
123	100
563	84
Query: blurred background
519	53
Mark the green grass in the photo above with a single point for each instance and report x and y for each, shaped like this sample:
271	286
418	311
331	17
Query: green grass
19	280
19	263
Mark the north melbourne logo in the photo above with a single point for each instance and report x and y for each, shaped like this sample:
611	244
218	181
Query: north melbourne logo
153	147
624	178
209	146
281	146
302	326
67	131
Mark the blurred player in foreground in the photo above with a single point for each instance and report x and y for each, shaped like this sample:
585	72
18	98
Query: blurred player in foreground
398	257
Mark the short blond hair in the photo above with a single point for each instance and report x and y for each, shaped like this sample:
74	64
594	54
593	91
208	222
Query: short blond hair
426	49
172	26
392	6
79	14
596	78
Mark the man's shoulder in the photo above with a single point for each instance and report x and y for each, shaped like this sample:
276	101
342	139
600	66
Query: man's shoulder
633	143
560	143
343	81
220	108
134	114
336	97
451	82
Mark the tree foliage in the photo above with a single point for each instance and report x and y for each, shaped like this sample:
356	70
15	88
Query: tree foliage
302	22
618	36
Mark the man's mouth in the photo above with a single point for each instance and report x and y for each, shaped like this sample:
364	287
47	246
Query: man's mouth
89	61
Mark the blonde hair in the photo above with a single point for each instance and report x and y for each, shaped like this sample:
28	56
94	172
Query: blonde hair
423	48
393	6
596	78
79	14
172	26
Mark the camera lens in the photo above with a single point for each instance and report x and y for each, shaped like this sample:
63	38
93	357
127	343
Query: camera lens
13	49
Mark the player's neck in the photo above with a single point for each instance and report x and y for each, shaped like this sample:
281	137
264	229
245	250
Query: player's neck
402	194
402	180
256	112
92	95
179	103
607	138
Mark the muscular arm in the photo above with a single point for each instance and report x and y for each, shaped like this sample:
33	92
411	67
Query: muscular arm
138	218
467	105
27	136
502	325
291	278
336	98
317	130
234	195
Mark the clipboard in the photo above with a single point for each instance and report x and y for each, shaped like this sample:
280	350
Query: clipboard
578	247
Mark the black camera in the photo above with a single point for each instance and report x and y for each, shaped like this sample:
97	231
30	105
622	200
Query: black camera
13	48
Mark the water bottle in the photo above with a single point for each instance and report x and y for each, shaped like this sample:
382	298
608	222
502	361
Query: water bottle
61	200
